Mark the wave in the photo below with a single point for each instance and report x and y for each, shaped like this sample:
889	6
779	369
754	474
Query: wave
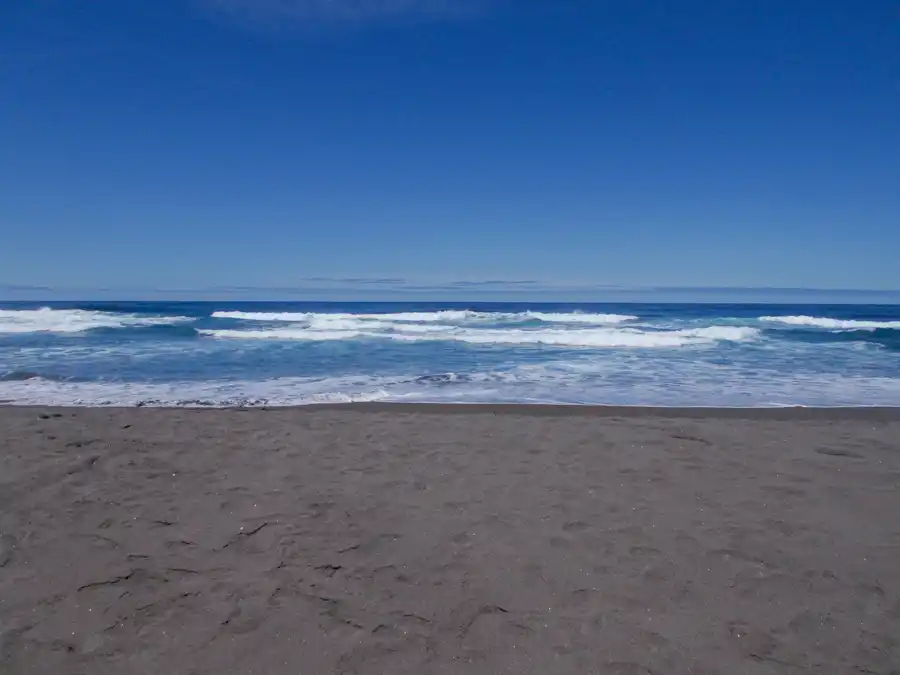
283	334
238	393
858	338
605	338
623	380
150	331
27	375
443	316
292	317
47	320
263	316
596	337
832	324
447	315
578	317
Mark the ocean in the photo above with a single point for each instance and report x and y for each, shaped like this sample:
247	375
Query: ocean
292	353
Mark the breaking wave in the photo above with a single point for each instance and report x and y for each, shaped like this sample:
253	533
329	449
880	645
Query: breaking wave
47	320
578	317
593	337
27	375
194	354
283	334
828	323
444	316
597	381
291	317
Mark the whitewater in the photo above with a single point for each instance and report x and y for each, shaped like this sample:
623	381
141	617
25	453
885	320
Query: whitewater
239	354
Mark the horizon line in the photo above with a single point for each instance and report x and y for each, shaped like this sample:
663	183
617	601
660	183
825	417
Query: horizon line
391	286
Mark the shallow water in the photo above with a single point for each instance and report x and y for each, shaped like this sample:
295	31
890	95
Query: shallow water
221	353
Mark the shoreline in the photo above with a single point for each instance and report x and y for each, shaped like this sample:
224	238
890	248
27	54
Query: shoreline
786	413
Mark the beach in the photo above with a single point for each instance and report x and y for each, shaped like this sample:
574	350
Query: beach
389	538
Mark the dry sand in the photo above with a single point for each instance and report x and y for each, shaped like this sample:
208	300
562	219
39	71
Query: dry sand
418	540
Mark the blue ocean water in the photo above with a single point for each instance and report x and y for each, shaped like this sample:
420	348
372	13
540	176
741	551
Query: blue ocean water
241	353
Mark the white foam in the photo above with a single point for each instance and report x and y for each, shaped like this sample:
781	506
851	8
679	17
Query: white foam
281	391
448	315
323	321
348	322
562	337
728	333
263	316
47	320
833	324
282	334
444	316
600	338
578	317
618	378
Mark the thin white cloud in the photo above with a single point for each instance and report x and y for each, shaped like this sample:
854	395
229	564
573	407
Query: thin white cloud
344	11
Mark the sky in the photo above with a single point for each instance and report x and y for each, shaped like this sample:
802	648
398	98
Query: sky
462	146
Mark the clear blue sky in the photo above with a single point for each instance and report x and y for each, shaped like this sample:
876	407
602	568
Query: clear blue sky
215	143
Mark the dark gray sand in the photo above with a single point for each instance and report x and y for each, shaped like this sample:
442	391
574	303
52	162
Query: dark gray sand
395	540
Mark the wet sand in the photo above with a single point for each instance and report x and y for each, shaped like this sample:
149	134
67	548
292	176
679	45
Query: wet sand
436	539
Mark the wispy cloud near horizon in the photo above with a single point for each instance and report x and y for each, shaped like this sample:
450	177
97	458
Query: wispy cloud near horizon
307	12
406	290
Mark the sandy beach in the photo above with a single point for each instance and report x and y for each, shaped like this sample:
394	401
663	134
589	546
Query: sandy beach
397	539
